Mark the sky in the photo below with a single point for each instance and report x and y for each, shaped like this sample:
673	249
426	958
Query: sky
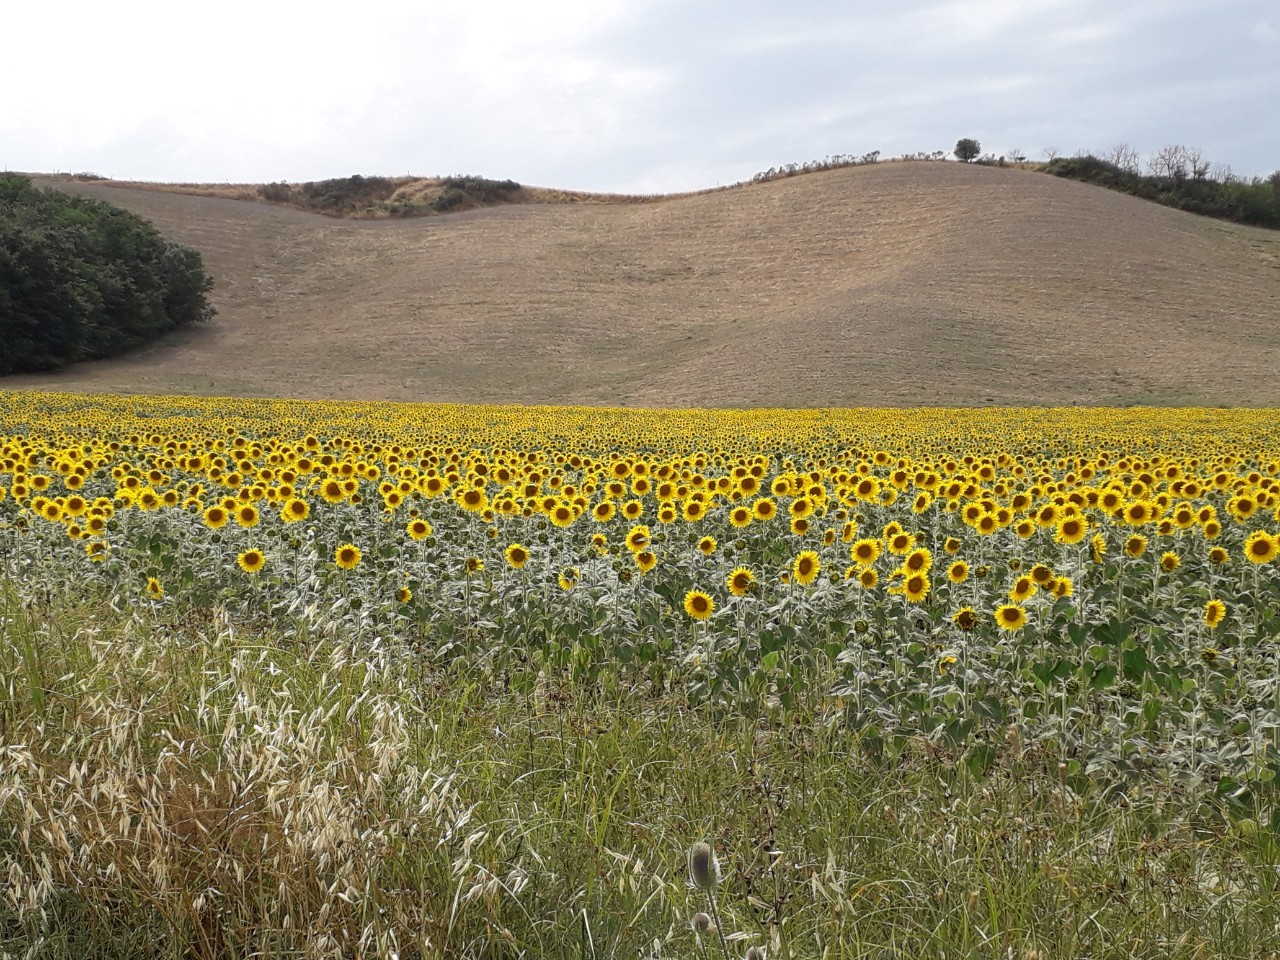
641	96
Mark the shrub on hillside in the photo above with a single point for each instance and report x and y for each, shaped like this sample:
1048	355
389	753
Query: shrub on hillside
276	192
346	194
482	188
81	279
1254	202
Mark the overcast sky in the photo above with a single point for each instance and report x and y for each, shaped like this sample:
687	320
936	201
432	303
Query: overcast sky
637	96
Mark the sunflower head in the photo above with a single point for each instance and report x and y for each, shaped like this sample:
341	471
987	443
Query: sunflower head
806	567
698	605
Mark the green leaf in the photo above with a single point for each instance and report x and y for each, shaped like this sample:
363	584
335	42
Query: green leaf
1104	676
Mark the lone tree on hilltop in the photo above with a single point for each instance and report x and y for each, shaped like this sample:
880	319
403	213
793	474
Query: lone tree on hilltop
967	149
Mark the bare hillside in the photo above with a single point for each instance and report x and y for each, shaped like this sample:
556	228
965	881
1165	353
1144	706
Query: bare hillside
903	283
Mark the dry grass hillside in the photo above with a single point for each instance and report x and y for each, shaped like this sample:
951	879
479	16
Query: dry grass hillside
905	283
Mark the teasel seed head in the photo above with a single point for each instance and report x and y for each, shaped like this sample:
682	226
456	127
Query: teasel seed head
704	871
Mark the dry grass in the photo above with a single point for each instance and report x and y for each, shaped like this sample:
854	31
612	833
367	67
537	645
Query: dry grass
893	284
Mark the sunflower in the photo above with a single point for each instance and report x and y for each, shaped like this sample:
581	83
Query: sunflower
946	663
1061	587
764	509
404	595
1241	507
603	511
294	510
646	560
247	515
473	565
707	546
1219	556
740	517
966	618
916	587
694	510
919	560
1139	512
638	538
1010	616
1023	589
517	556
740	581
473	500
154	590
799	526
1071	530
347	556
1025	529
331	491
698	605
1136	545
900	544
1211	529
418	529
868	578
96	550
1169	561
958	572
1041	574
1215	611
806	567
562	515
865	551
1261	547
952	546
251	561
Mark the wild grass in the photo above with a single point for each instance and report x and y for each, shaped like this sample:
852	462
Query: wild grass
179	782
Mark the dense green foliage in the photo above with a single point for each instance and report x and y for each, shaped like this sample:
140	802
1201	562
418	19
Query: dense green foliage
82	280
345	194
1255	201
472	191
363	196
967	149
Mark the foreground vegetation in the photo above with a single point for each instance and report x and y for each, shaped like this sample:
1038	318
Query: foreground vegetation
334	680
83	280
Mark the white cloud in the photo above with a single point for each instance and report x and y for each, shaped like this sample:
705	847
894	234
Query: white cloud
616	94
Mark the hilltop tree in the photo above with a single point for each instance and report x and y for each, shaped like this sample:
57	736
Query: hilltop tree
967	149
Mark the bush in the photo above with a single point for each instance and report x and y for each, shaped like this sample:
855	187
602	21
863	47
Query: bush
451	199
1254	202
482	188
276	192
81	279
346	194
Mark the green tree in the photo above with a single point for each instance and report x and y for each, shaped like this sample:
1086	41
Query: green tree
967	149
81	279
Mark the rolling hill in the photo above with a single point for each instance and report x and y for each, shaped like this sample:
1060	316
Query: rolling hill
892	284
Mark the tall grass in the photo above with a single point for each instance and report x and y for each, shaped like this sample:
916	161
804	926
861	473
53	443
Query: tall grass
174	783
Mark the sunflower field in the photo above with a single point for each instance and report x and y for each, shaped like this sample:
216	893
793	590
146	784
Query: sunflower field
1093	594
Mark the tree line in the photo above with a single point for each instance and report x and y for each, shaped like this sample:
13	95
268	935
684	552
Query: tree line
82	280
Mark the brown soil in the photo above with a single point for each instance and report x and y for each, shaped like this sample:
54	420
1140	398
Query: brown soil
904	284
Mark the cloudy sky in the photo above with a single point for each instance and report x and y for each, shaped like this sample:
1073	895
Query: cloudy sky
624	95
